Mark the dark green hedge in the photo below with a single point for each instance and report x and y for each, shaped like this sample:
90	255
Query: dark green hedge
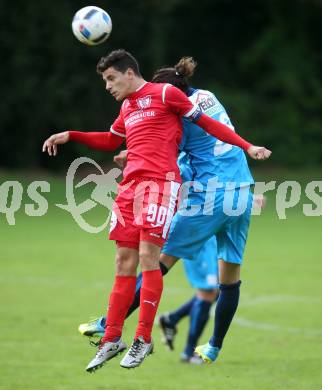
261	58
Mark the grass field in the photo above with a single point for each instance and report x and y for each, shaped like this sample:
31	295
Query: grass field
54	276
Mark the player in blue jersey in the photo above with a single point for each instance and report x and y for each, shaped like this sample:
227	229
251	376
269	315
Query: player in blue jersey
219	203
222	182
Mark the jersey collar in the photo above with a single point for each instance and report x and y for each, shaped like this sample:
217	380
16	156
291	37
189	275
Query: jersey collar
191	91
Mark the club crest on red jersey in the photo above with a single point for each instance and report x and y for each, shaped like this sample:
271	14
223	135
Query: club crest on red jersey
144	102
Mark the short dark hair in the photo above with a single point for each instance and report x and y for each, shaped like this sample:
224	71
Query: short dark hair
121	60
179	75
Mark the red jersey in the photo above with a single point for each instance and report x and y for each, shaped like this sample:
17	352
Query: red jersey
150	119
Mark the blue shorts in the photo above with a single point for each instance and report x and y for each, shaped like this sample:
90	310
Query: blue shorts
188	234
203	271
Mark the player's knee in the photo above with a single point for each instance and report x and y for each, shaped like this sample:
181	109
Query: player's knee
125	264
207	295
229	273
148	260
167	260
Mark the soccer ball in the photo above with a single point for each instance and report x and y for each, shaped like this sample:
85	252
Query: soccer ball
92	25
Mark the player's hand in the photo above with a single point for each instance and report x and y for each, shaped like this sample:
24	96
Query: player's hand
259	200
121	159
258	152
50	145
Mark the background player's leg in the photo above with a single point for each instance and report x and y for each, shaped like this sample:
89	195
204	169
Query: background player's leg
168	321
168	329
229	279
199	315
202	273
184	310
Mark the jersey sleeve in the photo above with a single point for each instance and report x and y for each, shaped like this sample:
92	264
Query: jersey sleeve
105	140
118	127
179	103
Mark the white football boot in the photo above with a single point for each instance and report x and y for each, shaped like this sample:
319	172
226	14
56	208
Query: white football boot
137	353
106	351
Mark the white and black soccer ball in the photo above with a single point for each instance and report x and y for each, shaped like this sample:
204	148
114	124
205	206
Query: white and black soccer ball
92	25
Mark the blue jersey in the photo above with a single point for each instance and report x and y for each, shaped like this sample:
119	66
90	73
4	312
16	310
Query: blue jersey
203	156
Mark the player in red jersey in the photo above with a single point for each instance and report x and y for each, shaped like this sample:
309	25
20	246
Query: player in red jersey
150	121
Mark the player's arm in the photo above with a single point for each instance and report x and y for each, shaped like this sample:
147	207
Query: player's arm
105	141
225	134
180	104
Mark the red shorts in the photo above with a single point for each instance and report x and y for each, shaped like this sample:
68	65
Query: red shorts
143	211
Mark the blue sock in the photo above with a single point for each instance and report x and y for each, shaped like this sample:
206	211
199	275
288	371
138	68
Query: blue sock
199	315
225	310
182	311
136	302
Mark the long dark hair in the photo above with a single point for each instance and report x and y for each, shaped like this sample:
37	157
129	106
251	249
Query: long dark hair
178	76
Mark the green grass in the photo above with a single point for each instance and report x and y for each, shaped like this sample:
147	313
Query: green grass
55	276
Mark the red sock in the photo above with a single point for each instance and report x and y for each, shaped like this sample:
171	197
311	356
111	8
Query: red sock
151	290
120	301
